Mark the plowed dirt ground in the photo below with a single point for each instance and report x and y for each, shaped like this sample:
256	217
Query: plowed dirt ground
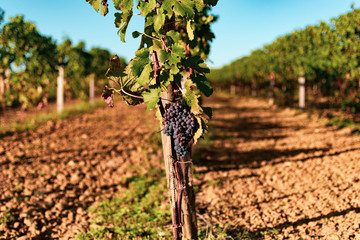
277	171
260	170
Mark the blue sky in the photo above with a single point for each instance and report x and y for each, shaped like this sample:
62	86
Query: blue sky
243	25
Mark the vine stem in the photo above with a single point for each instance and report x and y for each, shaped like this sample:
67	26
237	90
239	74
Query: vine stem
177	223
173	174
131	95
150	37
180	191
157	68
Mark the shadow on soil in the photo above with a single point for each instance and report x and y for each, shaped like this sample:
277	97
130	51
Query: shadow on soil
230	132
221	129
226	159
262	232
229	128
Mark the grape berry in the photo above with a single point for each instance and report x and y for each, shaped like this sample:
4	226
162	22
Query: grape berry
180	125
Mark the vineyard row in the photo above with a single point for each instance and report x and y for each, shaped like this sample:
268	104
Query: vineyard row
30	64
326	55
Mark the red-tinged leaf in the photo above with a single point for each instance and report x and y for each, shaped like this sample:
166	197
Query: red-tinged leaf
108	96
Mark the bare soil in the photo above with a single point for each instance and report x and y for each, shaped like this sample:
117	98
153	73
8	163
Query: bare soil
261	170
279	173
16	114
51	175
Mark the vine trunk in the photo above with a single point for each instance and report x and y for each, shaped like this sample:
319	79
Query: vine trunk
181	192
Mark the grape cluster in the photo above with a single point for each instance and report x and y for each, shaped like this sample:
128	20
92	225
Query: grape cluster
180	125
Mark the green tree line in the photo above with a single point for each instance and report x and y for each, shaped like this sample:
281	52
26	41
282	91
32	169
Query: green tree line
327	54
29	63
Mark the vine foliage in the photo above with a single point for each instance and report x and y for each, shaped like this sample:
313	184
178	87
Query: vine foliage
173	47
327	54
29	64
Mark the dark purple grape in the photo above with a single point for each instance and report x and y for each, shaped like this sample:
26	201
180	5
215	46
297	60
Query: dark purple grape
180	125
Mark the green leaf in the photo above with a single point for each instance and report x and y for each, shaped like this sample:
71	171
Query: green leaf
178	50
137	64
203	85
126	81
199	132
156	45
134	89
166	8
158	116
145	40
191	97
122	21
164	56
174	70
184	9
174	59
123	5
95	4
199	4
175	36
196	63
142	53
104	8
211	2
145	75
136	34
159	22
165	79
208	111
189	30
147	7
152	97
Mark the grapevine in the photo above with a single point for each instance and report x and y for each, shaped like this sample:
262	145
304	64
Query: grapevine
170	61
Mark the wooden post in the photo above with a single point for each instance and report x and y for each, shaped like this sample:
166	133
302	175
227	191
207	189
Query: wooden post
4	81
60	90
188	201
232	89
253	88
2	85
302	91
178	175
92	89
188	211
167	146
272	84
2	92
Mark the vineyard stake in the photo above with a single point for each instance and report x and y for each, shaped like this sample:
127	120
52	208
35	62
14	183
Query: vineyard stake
302	91
92	89
60	90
